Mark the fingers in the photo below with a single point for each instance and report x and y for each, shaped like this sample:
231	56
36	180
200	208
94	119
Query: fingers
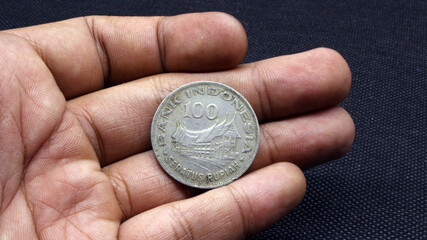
231	212
83	52
276	88
306	141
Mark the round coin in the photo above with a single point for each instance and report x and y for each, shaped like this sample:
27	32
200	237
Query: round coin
205	134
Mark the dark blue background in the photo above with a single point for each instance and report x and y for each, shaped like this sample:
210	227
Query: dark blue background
379	189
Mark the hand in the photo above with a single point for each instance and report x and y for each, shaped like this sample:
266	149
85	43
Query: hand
75	158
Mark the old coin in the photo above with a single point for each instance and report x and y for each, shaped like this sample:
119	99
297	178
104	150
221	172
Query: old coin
205	134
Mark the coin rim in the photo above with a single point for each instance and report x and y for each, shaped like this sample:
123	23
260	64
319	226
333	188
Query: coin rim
153	137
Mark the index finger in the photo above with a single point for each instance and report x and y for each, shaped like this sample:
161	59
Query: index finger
86	53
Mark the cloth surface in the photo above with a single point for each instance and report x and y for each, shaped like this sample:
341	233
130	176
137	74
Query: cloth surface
378	190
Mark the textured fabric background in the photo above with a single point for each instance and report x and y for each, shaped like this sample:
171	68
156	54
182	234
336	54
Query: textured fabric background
379	189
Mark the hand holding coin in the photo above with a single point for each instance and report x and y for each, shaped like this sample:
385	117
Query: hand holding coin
78	102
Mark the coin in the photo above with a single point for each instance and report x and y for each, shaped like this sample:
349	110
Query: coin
205	134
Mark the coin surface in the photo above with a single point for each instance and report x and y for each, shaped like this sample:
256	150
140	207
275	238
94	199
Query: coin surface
205	134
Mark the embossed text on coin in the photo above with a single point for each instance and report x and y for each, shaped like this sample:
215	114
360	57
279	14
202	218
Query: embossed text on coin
205	134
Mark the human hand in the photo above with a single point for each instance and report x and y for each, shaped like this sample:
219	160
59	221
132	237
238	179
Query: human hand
75	159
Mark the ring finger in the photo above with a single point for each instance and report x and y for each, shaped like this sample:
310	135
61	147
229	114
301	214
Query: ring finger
141	184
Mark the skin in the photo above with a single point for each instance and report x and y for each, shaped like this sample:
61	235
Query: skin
75	158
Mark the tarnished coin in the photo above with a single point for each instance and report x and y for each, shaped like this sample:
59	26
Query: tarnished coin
205	134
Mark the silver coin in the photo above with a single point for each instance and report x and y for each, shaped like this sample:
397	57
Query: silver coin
205	134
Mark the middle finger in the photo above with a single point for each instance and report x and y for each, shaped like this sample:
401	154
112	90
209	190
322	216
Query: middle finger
117	120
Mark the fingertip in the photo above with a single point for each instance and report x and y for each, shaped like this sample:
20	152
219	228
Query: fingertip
293	184
235	35
348	132
337	68
337	141
203	42
273	192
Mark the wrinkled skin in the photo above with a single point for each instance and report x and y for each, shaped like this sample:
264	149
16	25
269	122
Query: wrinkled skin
75	158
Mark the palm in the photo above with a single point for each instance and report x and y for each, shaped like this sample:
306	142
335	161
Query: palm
80	166
55	185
